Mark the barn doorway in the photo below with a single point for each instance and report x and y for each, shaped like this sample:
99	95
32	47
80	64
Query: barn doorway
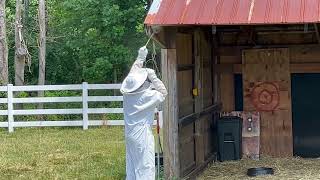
305	114
238	92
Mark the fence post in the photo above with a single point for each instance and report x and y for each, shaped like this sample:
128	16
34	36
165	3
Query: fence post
160	118
85	105
10	108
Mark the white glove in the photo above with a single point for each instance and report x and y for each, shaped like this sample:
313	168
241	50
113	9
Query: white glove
156	82
142	53
151	74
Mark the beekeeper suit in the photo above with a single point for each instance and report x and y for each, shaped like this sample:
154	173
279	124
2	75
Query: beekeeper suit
142	92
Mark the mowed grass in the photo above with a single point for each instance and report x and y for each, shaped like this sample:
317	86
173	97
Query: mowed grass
62	153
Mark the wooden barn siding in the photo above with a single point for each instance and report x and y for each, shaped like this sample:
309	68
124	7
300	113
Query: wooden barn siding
303	59
186	101
167	40
170	125
298	54
203	82
270	66
195	71
231	45
230	59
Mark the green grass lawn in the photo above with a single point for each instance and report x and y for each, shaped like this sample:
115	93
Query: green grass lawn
62	153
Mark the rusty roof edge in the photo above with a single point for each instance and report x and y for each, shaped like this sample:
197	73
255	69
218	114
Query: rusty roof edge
168	12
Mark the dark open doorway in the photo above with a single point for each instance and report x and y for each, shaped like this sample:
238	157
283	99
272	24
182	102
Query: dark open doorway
238	92
305	114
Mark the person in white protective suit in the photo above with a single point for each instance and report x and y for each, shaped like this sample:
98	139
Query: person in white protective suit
142	91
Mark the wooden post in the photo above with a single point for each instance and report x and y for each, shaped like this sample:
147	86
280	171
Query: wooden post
216	75
85	105
170	115
10	108
199	147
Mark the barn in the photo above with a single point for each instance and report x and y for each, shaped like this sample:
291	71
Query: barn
248	57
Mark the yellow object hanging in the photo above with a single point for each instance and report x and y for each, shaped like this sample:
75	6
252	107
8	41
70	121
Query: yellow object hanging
195	92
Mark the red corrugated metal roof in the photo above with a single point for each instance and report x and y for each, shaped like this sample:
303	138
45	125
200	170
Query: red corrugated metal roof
232	12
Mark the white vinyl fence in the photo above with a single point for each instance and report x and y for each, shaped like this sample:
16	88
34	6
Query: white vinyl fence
84	111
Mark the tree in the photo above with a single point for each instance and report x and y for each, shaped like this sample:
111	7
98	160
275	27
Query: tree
91	40
21	52
42	43
100	39
3	44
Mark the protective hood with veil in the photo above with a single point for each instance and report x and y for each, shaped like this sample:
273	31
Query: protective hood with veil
139	103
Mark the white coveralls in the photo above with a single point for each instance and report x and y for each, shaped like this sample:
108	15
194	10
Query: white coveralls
139	103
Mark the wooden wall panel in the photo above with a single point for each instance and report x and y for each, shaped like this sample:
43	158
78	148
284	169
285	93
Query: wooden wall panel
185	78
281	38
294	68
305	54
208	138
186	100
195	74
298	54
170	114
204	135
187	143
207	87
199	49
228	56
227	91
230	59
184	49
266	79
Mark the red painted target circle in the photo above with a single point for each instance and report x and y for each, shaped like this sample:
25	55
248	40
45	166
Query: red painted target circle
265	96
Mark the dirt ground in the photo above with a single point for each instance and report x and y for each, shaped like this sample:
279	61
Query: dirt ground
285	168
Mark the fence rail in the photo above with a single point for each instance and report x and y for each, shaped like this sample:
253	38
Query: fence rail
85	111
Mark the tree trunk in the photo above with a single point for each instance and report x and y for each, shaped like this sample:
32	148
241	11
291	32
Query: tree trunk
20	50
42	42
3	45
42	46
26	15
25	20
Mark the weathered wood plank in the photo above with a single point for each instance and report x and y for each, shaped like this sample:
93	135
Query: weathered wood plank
170	113
227	91
208	138
185	93
305	67
298	54
230	59
199	52
294	68
187	148
184	49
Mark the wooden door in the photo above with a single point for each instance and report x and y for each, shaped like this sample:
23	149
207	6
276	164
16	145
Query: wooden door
267	89
204	83
195	96
186	101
